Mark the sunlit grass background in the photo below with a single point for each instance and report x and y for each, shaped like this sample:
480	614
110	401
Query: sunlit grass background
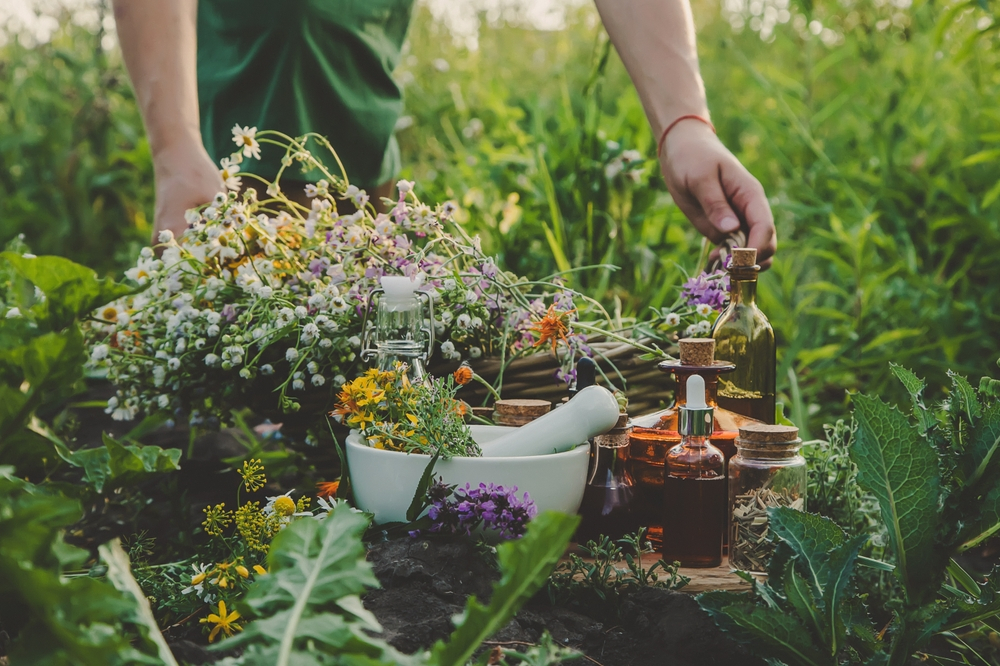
873	125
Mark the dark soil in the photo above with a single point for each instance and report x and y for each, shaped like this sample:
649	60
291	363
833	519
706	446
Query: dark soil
426	582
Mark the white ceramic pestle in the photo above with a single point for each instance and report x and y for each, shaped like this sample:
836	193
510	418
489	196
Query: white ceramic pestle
592	411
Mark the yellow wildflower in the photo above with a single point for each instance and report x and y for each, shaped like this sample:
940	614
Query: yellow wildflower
259	570
284	506
223	621
253	475
216	519
242	570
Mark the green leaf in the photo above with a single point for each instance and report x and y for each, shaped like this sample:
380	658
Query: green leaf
964	397
915	387
316	566
885	337
800	596
777	634
982	449
120	464
120	575
524	565
72	291
812	539
991	195
900	469
985	524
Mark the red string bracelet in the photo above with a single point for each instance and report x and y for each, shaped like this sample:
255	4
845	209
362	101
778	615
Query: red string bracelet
690	116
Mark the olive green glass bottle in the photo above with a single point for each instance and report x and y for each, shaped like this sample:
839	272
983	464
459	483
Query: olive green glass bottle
744	337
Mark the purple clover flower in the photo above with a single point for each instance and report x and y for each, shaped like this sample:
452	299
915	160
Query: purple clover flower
462	510
710	288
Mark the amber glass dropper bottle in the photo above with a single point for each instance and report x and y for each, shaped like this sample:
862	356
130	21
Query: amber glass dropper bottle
744	337
694	487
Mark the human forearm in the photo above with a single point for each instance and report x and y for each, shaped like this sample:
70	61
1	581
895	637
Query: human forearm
159	44
656	41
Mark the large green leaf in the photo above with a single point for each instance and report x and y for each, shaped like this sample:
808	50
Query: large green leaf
118	464
900	468
525	564
307	608
72	291
55	621
120	575
982	449
778	634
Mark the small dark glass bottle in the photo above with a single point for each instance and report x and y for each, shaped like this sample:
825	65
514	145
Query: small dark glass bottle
608	506
743	336
694	487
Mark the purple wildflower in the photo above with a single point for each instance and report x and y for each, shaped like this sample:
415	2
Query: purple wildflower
710	288
494	507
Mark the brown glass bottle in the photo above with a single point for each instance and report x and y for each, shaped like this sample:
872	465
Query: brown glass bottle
744	337
653	435
694	491
608	505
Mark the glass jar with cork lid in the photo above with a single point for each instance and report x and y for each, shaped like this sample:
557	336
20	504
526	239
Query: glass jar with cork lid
767	471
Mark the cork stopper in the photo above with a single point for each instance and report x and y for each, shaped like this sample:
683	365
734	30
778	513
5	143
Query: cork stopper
768	434
519	412
697	351
744	257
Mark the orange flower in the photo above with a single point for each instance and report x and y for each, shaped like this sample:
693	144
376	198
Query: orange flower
327	488
552	327
463	375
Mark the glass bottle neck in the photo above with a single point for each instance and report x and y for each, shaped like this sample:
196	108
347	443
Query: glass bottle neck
694	441
743	290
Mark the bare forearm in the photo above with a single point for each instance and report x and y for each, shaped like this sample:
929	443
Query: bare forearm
656	41
159	43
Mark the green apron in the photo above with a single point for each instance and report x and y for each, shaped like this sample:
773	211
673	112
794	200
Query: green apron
302	66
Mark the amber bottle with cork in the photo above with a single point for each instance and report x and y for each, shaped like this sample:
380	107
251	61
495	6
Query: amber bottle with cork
653	435
694	487
744	337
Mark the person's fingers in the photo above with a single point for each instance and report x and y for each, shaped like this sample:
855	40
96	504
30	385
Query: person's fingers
713	202
749	199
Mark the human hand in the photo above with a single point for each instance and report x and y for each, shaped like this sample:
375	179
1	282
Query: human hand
186	177
715	191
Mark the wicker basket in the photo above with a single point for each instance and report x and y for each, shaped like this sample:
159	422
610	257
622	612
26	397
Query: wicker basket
535	377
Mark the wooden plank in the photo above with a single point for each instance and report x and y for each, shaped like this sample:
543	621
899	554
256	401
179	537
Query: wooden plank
702	579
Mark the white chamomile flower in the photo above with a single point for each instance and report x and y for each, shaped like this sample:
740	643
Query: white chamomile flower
245	373
173	363
246	141
291	354
318	380
301	311
163	401
463	321
265	292
449	284
325	343
267	369
704	309
298	384
211	360
212	331
672	319
166	235
354	341
338	304
340	380
99	353
476	322
312	367
703	327
471	297
475	352
404	187
228	172
690	331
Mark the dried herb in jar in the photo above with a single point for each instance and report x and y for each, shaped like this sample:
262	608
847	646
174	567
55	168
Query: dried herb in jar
750	547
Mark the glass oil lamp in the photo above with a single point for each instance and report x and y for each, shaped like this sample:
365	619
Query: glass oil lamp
402	332
653	435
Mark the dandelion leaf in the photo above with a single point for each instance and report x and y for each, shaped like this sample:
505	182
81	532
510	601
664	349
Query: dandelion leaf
900	468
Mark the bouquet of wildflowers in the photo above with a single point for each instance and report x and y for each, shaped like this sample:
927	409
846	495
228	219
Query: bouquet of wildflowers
260	302
393	413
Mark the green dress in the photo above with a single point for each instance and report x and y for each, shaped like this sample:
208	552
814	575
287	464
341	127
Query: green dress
302	66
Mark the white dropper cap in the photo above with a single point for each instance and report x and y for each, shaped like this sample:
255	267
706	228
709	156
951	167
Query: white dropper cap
696	392
696	417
